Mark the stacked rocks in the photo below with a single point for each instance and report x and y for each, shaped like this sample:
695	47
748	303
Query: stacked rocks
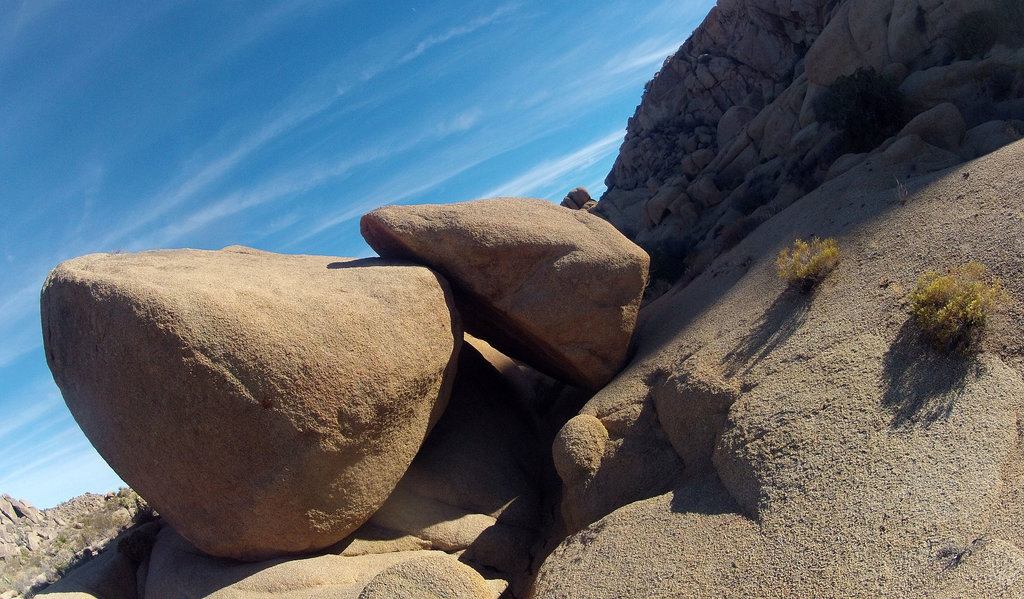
270	405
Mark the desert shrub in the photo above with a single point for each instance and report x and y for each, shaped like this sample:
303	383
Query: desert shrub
805	264
865	107
952	308
976	33
668	260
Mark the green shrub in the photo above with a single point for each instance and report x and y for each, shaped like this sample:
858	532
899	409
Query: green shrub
805	264
951	309
865	107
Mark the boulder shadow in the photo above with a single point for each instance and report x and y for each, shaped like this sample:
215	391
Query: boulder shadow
705	495
778	323
360	263
922	385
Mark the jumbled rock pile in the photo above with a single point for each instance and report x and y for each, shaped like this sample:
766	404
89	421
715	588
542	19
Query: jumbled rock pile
270	405
38	546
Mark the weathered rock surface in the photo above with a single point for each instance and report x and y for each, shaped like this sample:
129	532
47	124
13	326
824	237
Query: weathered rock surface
177	569
942	126
556	288
428	577
847	457
263	404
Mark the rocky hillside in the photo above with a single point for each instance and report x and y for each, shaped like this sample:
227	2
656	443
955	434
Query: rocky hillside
770	98
769	442
38	546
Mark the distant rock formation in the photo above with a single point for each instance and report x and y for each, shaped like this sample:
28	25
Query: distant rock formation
38	546
578	199
735	126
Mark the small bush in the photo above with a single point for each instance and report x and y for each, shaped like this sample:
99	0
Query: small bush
951	309
865	107
805	264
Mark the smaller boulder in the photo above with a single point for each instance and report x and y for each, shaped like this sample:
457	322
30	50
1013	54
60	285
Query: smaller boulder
473	486
435	576
692	405
578	448
578	199
558	289
942	126
178	569
989	137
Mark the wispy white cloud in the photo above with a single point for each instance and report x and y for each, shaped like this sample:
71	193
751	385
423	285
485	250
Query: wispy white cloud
18	16
463	121
411	184
295	181
646	57
192	183
258	26
404	188
306	178
44	405
458	31
55	469
304	105
548	171
19	323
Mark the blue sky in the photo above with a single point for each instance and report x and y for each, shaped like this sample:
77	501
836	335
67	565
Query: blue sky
132	126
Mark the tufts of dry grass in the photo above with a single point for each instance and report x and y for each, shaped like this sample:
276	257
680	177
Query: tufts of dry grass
951	309
805	264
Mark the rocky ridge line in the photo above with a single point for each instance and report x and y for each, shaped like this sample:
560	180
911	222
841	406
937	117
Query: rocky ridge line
731	130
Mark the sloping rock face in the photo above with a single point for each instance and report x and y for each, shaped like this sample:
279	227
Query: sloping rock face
734	127
556	288
813	444
263	404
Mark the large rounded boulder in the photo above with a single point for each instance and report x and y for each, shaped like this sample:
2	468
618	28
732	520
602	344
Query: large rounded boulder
264	404
556	288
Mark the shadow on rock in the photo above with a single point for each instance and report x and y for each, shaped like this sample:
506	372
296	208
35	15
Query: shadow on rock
365	263
921	385
705	495
773	328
